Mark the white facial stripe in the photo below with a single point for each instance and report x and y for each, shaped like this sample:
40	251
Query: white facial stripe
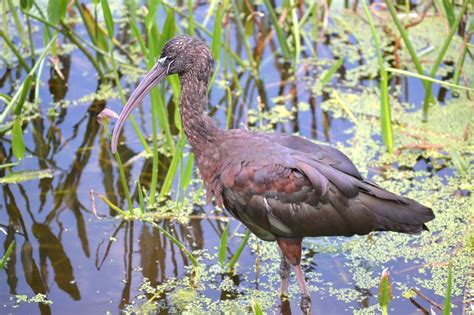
162	60
168	70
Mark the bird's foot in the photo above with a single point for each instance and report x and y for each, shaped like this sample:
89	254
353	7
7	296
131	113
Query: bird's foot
305	304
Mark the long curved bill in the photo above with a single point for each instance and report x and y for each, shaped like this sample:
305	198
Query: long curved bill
155	76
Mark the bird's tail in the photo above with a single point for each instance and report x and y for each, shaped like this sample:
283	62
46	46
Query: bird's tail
395	213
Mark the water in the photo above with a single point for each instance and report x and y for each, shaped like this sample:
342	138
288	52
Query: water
94	263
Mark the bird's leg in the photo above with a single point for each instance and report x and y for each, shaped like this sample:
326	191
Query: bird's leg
285	270
291	250
305	297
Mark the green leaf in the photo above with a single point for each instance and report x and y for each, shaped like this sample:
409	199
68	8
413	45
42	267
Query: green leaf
140	197
109	22
449	12
97	37
237	254
385	291
56	11
9	165
25	89
5	257
461	165
280	34
26	4
439	58
188	172
385	116
256	308
173	166
327	76
217	35
23	176
425	78
449	287
18	145
150	17
169	29
138	36
223	247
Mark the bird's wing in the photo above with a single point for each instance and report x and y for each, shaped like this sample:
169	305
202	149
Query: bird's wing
277	191
323	153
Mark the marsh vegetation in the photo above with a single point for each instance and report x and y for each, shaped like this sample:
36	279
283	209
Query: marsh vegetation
388	83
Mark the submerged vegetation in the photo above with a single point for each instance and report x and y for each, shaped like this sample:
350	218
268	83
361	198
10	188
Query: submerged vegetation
388	83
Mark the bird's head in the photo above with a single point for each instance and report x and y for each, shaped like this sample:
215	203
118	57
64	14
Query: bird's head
181	55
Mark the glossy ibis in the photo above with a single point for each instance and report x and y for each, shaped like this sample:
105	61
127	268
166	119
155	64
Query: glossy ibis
282	187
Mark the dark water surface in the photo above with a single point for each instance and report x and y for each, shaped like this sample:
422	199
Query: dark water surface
93	264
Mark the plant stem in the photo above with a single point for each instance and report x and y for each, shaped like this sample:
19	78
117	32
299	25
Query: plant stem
22	61
444	48
123	178
19	25
175	241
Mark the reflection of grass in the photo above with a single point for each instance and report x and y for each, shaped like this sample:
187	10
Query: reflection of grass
290	40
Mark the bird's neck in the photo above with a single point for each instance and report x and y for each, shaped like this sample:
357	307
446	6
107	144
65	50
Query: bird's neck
201	130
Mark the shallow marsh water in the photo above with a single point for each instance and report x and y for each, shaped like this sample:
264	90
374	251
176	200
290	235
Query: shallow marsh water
86	262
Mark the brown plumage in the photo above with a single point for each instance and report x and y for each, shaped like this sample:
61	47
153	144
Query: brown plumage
282	187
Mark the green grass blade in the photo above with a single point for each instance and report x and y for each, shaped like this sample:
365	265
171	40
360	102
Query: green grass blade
217	35
256	308
188	172
459	162
109	22
406	39
18	145
170	175
152	10
56	10
296	30
95	35
449	287
140	198
223	247
26	5
385	119
210	11
25	89
175	241
439	58
9	165
18	23
285	49
5	257
425	78
169	29
39	62
235	258
112	206
191	31
448	9
123	178
18	55
136	32
327	75
216	43
241	30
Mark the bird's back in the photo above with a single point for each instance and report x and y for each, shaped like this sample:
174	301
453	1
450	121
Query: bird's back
286	186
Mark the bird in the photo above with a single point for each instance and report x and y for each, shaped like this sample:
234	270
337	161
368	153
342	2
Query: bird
282	187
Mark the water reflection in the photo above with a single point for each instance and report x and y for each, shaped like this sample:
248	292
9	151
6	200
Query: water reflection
68	254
